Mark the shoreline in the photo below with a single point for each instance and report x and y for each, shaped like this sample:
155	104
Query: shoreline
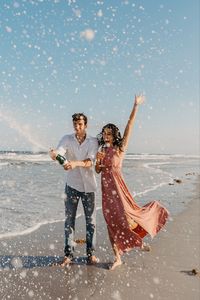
163	273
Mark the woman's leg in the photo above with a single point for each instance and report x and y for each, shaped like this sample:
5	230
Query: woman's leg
117	260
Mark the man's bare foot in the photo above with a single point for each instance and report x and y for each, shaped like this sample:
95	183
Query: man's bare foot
115	264
66	261
92	260
145	247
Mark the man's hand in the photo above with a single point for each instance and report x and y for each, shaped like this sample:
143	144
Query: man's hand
70	165
52	154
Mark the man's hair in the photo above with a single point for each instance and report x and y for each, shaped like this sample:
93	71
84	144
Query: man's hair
79	116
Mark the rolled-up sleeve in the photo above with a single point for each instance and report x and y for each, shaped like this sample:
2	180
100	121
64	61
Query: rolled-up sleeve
62	146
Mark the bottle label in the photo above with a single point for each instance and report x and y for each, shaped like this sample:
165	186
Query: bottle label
61	159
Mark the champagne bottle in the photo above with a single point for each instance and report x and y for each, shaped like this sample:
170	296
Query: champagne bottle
61	159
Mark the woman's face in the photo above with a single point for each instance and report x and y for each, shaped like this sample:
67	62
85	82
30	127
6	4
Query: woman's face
108	136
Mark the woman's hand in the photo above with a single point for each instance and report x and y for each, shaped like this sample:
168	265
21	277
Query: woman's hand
100	156
139	99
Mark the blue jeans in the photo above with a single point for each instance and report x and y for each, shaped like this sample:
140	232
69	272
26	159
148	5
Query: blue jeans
71	204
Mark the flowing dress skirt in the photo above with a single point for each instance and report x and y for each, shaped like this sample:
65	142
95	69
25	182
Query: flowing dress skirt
127	222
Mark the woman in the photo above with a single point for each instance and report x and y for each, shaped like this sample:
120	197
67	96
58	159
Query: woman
127	222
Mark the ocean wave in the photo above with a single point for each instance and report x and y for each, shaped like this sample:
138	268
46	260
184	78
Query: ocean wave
24	157
3	164
148	156
150	189
28	230
157	169
27	156
35	227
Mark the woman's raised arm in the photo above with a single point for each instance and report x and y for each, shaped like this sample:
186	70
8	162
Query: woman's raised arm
139	99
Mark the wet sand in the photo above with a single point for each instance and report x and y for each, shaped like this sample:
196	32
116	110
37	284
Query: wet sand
163	273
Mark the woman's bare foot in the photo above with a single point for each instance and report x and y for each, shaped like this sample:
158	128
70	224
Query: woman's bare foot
145	247
116	263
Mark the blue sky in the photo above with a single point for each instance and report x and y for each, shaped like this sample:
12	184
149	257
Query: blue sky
59	57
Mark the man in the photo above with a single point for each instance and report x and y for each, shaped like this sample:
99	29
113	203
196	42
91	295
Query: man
80	151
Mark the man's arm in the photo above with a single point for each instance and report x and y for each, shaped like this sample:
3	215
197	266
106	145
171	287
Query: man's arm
86	163
61	148
89	161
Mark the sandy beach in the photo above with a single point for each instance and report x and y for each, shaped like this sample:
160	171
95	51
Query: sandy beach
163	273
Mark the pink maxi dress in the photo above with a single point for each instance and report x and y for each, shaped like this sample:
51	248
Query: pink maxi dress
120	210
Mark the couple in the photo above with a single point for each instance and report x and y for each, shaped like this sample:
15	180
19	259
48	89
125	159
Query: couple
127	222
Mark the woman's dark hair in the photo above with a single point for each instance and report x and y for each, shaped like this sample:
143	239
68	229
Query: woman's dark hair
117	139
79	116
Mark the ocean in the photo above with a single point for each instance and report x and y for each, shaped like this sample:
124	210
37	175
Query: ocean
32	187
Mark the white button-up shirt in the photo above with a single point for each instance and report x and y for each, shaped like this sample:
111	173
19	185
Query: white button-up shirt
80	178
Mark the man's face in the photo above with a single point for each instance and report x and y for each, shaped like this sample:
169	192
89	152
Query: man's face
79	126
